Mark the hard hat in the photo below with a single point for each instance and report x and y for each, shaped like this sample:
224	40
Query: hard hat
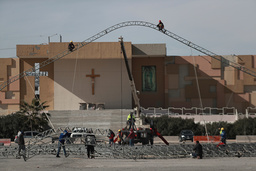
119	130
159	21
71	41
222	129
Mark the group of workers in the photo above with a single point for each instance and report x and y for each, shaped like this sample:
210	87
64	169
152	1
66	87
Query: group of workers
119	138
199	149
61	143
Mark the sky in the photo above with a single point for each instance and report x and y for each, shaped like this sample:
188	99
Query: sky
223	27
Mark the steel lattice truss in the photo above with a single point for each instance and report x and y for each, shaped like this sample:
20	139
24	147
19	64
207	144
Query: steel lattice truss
126	24
103	150
44	145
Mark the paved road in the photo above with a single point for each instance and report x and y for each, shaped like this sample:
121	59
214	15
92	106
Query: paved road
75	163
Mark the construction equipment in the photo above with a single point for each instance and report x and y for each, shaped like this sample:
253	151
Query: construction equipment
142	135
133	88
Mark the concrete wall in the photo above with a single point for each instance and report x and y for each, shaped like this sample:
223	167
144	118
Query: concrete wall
219	85
27	84
150	99
67	85
149	50
72	87
10	95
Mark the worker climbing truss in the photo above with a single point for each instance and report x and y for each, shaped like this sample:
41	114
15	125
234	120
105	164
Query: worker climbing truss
126	24
44	144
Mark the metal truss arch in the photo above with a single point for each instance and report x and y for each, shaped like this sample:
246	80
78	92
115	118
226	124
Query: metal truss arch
126	24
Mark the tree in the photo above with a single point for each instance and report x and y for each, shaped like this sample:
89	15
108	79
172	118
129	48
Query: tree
37	118
11	124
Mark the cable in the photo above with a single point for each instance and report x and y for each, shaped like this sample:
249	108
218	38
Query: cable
74	76
7	48
121	88
199	94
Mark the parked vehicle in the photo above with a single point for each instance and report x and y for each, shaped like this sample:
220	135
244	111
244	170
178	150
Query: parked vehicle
186	135
83	135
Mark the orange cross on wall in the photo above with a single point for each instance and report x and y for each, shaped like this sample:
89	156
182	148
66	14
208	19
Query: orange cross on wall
93	81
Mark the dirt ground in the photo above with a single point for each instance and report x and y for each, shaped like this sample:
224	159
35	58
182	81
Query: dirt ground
75	163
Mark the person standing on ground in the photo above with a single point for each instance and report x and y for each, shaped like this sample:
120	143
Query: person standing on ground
198	151
21	143
131	137
111	136
151	136
119	137
90	151
61	142
223	136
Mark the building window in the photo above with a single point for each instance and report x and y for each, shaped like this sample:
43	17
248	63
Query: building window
9	95
149	79
213	89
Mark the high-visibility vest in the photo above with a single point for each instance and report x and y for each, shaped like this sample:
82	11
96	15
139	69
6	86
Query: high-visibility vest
129	117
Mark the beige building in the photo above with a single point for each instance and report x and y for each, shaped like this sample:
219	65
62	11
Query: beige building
96	74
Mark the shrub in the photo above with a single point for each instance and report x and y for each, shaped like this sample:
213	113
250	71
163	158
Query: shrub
169	126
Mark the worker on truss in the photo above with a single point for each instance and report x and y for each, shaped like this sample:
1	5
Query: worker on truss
71	46
160	25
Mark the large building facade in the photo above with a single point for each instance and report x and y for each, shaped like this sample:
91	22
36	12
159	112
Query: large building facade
96	74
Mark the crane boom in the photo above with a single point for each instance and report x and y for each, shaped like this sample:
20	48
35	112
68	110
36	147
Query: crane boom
133	88
125	24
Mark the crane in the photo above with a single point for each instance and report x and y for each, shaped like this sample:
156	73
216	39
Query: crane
134	91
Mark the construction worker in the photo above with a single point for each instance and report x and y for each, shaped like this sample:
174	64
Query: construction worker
151	136
119	137
160	25
21	143
130	120
61	142
90	151
111	136
131	137
71	46
223	136
198	151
